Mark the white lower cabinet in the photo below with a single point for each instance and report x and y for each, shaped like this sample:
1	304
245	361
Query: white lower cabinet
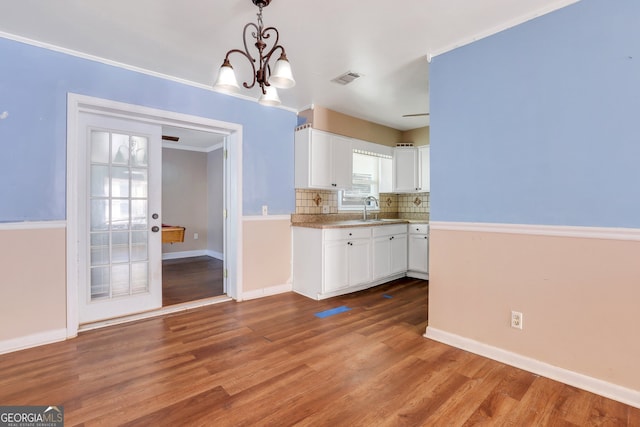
418	266
334	261
346	263
389	250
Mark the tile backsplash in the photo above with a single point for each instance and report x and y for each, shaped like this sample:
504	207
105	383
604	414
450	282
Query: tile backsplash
312	201
409	206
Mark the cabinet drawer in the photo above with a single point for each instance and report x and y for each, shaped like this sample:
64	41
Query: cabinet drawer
389	230
419	228
347	233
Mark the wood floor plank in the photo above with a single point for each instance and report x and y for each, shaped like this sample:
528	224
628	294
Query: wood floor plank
493	411
191	279
273	362
193	411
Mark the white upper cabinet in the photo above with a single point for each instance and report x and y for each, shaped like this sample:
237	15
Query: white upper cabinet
411	169
405	164
424	173
322	160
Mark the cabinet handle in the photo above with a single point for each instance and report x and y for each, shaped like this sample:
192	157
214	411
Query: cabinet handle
425	237
350	234
391	238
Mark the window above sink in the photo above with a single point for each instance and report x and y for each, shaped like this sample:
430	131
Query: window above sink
372	175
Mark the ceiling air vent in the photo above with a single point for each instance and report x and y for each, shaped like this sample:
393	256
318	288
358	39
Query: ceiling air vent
346	78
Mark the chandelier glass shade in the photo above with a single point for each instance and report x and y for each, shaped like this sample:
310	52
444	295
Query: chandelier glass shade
264	76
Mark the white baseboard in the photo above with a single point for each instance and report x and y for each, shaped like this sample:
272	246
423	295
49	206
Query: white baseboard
192	254
215	254
417	275
265	292
593	385
32	340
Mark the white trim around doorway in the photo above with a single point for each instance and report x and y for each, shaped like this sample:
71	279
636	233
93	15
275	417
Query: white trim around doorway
233	183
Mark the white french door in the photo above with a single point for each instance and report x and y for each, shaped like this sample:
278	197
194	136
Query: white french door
120	231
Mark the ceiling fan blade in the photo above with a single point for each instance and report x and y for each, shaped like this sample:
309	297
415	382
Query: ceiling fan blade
415	115
170	138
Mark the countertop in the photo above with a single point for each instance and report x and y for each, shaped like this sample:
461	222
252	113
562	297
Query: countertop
356	223
345	220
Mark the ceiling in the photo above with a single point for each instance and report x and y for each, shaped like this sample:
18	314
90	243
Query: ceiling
389	43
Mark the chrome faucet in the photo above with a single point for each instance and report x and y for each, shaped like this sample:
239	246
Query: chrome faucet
364	203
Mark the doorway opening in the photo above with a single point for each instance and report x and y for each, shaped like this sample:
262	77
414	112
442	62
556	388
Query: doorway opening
77	232
193	215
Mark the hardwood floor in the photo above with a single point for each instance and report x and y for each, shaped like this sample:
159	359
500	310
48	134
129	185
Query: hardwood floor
272	362
191	279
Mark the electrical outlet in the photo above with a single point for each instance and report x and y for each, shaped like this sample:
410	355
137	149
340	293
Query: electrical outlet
325	208
195	236
265	210
516	319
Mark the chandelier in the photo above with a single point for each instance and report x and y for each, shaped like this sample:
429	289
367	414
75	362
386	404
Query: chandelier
268	80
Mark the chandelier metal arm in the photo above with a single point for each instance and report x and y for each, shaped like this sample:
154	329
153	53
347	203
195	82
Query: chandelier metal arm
251	61
262	73
264	61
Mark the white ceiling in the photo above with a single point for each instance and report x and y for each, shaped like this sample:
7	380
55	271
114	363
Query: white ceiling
389	42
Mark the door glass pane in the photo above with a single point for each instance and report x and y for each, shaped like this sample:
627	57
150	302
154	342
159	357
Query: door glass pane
100	282
139	150
118	203
119	214
120	280
139	277
99	249
99	256
99	214
139	244
120	247
120	151
139	214
119	182
99	147
139	183
99	181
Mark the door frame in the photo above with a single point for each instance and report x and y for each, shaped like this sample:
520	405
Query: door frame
77	103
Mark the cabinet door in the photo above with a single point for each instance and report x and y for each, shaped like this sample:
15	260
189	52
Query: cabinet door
342	162
405	163
359	261
424	173
336	265
320	158
382	257
419	253
398	263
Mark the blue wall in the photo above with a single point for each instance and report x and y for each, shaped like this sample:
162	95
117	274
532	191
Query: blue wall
33	89
539	124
